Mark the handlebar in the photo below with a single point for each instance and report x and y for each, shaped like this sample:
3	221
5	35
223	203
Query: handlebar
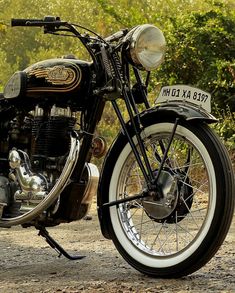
48	20
116	36
52	24
24	22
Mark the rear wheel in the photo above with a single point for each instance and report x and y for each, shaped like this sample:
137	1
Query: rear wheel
178	232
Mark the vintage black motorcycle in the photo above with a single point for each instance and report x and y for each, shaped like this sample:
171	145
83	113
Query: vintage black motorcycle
166	190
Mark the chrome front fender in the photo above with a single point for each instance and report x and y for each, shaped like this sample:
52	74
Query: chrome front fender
181	110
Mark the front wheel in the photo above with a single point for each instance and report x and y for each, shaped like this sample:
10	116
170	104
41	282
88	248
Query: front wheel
178	232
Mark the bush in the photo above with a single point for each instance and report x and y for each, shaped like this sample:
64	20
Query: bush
225	128
201	52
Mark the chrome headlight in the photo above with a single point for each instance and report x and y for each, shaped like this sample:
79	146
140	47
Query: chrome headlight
147	46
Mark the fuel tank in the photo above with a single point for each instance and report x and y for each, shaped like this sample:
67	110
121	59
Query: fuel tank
53	79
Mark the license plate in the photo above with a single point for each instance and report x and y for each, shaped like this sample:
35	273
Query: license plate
185	93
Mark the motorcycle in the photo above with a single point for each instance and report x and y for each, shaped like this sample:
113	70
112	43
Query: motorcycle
165	194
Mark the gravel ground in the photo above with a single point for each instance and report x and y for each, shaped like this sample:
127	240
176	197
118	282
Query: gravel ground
28	264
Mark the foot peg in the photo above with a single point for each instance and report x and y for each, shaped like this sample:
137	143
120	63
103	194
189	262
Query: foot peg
44	233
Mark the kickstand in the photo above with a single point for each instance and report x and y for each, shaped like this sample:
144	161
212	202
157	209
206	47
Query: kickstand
44	233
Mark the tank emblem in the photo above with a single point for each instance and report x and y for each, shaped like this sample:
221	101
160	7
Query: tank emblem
57	75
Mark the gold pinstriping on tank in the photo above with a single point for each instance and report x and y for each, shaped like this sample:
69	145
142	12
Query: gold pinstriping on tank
57	75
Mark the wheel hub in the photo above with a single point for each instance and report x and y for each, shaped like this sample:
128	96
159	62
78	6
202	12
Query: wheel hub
161	206
169	203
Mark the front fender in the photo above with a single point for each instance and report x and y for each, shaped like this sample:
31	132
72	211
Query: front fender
184	111
156	114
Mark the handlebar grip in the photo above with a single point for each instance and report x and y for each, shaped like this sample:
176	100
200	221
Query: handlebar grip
25	22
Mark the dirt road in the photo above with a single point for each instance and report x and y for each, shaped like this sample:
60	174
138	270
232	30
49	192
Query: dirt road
28	264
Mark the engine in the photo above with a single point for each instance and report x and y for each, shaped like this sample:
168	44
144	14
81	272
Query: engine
44	136
38	157
33	152
50	138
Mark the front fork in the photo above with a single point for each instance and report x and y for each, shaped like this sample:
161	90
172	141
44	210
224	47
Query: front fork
144	164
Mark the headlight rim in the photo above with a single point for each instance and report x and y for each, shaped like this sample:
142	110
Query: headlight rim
132	39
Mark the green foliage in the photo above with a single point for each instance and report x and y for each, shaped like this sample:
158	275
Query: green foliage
201	52
7	69
226	127
2	28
